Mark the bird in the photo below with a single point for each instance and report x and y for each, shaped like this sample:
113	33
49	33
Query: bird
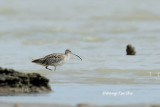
55	59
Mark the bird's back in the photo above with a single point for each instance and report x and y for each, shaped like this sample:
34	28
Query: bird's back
52	59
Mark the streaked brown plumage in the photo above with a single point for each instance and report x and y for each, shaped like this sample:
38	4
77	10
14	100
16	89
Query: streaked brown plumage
54	59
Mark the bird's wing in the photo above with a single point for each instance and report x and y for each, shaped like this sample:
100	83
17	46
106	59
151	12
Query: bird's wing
53	58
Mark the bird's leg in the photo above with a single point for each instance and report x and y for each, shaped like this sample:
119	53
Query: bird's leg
48	68
54	68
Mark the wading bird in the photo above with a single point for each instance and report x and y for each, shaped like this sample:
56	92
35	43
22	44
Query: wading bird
55	59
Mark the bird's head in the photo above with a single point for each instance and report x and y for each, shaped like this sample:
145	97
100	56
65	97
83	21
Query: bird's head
67	51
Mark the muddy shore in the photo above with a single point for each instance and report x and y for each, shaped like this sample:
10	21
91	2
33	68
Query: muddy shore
2	104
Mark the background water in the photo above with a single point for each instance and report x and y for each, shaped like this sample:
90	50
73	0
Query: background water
96	30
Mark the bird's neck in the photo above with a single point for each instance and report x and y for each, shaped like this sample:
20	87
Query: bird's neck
68	56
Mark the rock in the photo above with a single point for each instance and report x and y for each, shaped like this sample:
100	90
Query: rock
14	82
86	105
130	50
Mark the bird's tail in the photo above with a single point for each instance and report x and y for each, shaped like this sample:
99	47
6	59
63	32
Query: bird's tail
38	61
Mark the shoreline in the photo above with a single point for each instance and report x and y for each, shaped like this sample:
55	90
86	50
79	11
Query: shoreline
11	104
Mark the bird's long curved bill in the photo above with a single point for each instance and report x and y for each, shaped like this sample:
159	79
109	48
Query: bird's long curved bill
77	56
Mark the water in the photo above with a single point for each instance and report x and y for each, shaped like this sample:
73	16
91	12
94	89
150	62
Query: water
98	31
82	93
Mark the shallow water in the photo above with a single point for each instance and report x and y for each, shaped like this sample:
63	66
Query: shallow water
94	94
98	31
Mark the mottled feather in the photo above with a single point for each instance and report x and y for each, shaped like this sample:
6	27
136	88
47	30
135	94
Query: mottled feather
51	59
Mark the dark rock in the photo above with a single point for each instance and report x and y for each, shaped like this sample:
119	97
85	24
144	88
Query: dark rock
14	82
130	50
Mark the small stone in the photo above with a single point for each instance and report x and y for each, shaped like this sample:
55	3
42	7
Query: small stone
86	105
17	105
155	106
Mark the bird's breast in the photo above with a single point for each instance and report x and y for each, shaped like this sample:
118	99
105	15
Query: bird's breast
62	61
